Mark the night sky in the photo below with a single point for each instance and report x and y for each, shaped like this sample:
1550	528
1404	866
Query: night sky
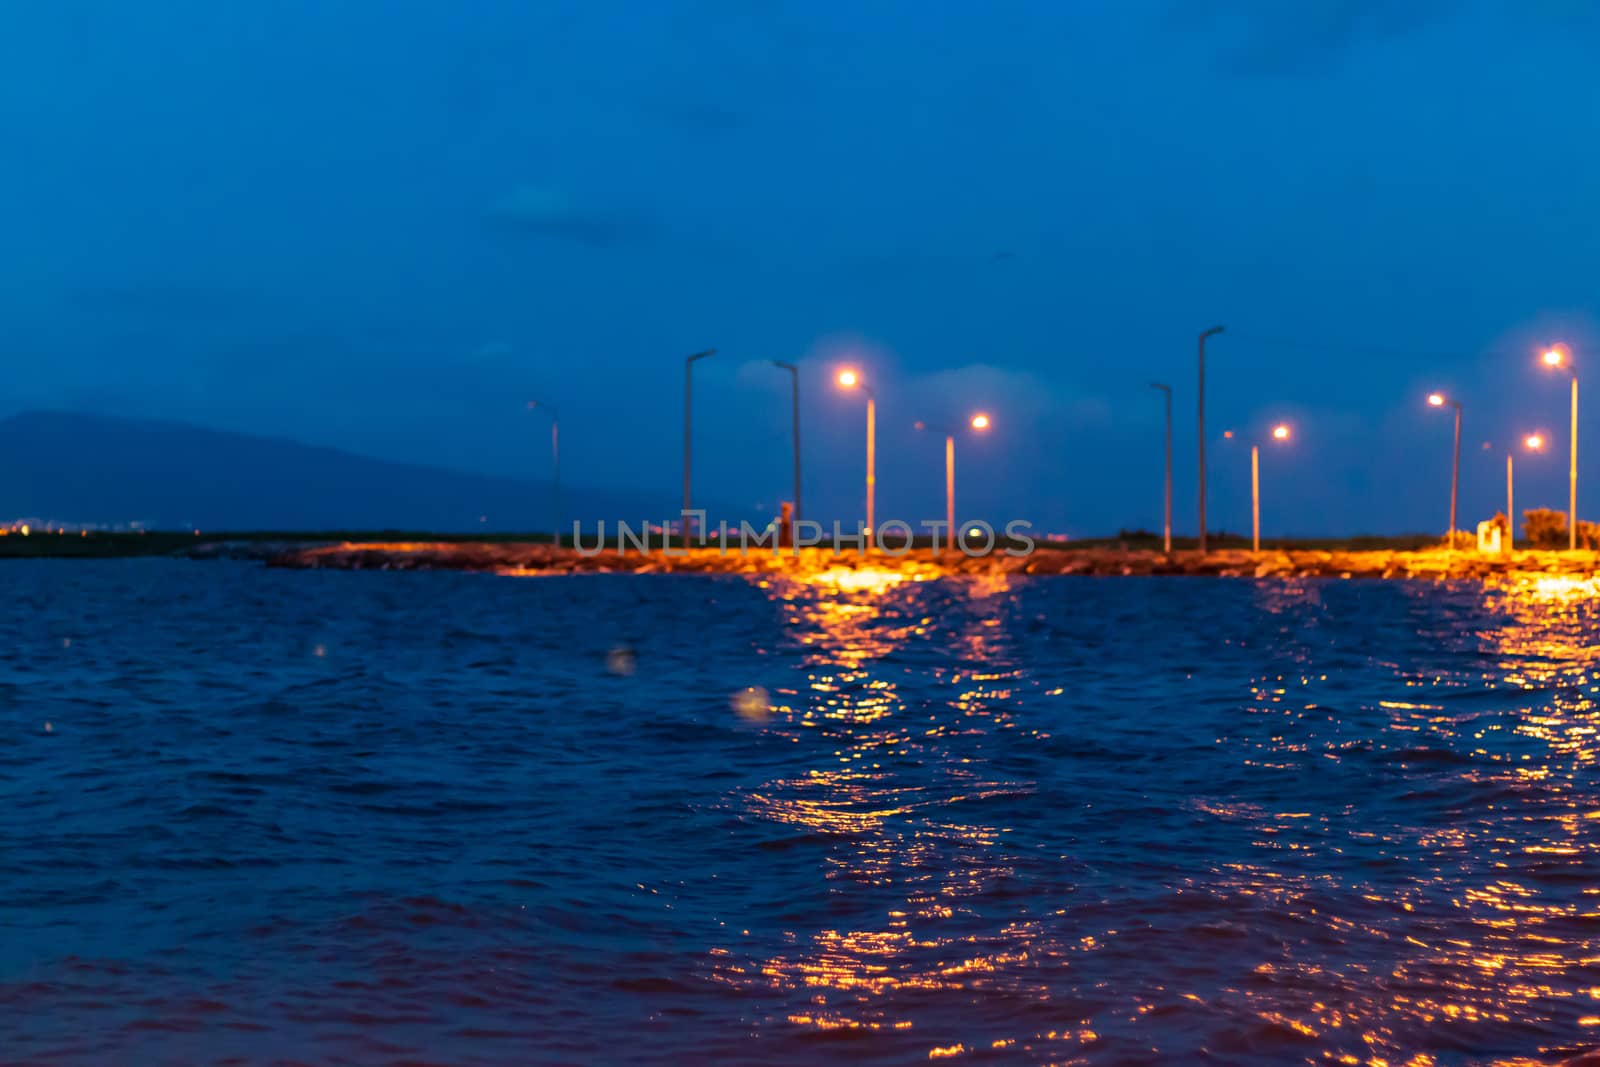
385	226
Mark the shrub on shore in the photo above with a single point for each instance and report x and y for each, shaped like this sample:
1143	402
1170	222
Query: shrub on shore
1547	528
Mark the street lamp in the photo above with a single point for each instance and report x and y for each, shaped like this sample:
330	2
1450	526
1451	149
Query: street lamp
1280	432
1533	443
979	422
794	375
849	379
1439	400
555	456
1202	401
688	419
1556	357
1166	529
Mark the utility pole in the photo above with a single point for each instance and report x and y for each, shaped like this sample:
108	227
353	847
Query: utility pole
688	419
1202	401
1166	529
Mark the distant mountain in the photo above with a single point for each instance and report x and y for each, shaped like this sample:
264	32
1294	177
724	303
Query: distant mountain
169	475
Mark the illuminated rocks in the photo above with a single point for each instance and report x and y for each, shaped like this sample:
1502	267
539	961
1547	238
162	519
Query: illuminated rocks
531	560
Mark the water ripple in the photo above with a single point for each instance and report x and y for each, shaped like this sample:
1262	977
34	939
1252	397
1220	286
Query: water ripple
263	816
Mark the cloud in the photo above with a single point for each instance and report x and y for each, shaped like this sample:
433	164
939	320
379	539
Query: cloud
761	375
156	300
549	212
1270	38
703	118
1019	398
493	352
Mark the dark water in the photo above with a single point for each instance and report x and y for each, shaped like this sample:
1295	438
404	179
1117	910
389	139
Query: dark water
256	816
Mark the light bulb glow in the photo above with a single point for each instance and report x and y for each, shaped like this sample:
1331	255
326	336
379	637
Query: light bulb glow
1436	399
980	421
848	379
1554	356
1280	432
1534	442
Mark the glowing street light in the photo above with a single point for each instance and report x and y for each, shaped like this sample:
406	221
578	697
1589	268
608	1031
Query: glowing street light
849	379
1556	357
555	457
1280	432
979	422
1533	443
1439	400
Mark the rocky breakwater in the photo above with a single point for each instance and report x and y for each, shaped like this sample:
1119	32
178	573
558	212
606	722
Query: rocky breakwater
537	559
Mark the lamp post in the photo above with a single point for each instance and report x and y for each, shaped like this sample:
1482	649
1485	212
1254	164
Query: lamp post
1202	401
1166	529
1533	443
1280	432
979	422
849	379
794	375
1439	400
688	420
555	457
1557	356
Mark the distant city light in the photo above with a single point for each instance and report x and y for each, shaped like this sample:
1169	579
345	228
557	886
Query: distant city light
1228	434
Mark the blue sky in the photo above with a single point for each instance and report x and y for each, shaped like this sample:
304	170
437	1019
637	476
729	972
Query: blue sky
384	226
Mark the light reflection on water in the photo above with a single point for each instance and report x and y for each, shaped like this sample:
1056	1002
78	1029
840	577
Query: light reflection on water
460	819
889	832
1453	927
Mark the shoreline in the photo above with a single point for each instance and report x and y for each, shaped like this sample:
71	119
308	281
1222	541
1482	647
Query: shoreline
406	551
1436	564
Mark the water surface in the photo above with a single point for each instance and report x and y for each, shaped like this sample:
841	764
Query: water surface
265	816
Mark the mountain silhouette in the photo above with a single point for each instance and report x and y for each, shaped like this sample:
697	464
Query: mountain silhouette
97	469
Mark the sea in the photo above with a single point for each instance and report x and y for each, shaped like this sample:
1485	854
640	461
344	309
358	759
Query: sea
262	816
